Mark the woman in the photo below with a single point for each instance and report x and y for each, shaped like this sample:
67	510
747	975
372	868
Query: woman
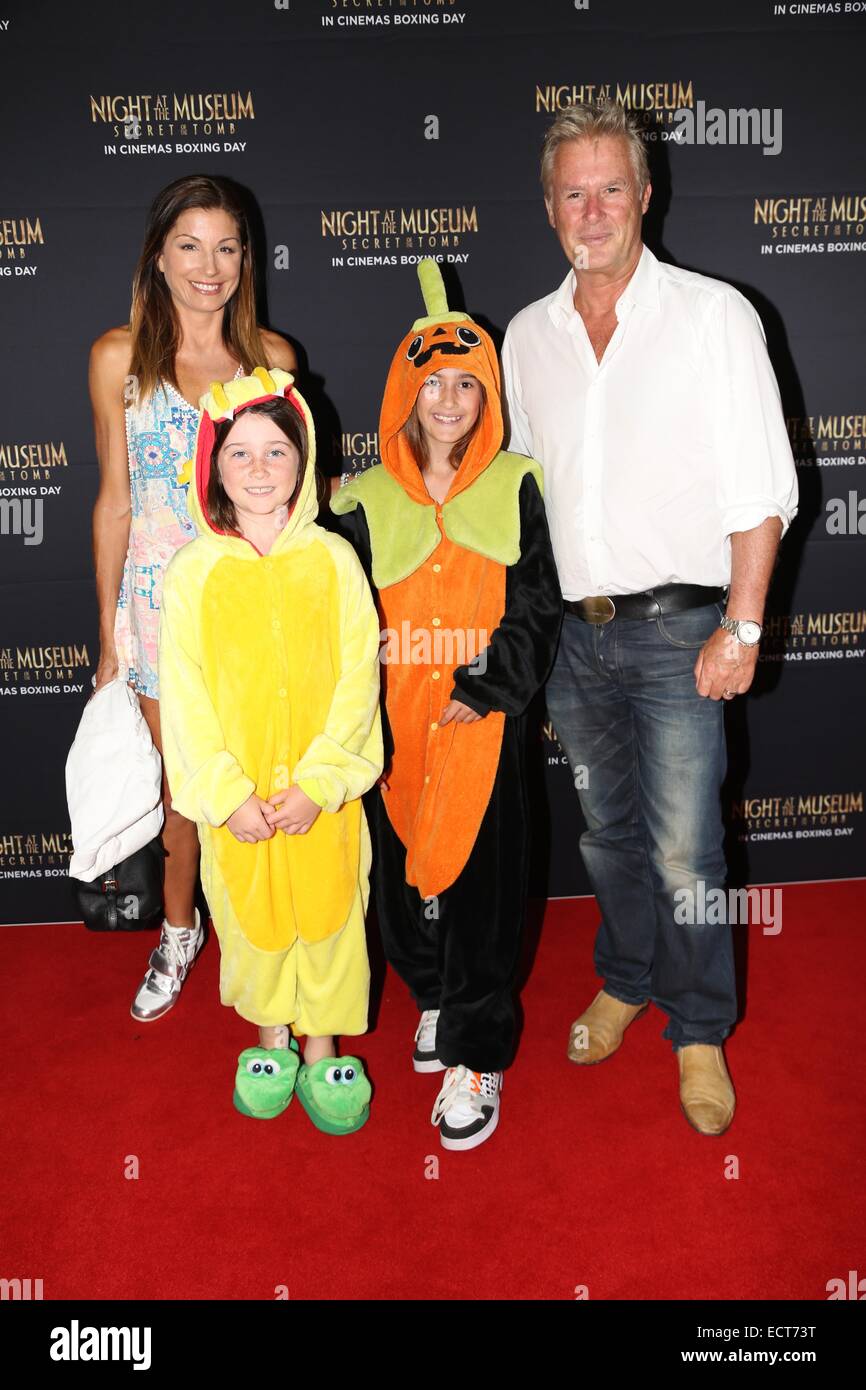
192	322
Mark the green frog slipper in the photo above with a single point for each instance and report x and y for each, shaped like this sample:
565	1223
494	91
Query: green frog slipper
265	1080
335	1093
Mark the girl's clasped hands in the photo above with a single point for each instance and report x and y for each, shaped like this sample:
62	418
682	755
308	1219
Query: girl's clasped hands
291	811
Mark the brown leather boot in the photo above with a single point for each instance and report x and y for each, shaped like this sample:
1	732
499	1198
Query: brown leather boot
598	1032
706	1094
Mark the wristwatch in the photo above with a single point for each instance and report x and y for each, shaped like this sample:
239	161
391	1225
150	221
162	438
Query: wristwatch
747	633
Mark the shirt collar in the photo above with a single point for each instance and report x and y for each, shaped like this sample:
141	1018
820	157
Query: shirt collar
642	289
561	305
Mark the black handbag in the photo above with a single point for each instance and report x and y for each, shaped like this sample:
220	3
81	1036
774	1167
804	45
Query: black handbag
127	897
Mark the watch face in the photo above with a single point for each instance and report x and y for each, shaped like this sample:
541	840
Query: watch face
749	632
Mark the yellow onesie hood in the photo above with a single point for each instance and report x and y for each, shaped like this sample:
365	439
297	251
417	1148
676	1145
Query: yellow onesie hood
224	401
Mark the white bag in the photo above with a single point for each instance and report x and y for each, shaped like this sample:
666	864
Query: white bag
113	782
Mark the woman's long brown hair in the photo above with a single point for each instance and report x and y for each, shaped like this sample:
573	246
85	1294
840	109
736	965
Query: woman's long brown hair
153	321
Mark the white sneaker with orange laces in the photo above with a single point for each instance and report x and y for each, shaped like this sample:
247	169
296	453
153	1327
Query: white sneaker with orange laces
467	1107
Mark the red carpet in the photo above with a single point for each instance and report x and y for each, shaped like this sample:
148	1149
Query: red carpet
594	1177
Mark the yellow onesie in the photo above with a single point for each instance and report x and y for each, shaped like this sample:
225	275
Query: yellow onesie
269	677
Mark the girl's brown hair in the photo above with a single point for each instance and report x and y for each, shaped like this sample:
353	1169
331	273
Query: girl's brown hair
219	507
153	321
417	443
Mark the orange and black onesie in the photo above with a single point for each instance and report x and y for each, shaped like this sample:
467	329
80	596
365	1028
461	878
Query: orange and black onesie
470	606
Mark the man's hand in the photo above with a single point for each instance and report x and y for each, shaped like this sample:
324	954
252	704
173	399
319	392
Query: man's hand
291	811
724	667
455	709
248	823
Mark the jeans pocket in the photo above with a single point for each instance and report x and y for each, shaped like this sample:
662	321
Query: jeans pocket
691	629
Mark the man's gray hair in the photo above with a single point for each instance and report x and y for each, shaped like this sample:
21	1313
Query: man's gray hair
580	122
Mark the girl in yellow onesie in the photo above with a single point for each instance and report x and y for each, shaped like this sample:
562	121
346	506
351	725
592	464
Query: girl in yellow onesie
269	676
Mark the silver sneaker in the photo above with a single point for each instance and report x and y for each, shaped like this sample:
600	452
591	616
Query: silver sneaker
169	966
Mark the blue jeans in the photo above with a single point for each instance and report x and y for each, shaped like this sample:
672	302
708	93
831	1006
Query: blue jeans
622	699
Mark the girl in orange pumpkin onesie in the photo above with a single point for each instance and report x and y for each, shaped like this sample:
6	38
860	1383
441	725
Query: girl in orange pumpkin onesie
453	534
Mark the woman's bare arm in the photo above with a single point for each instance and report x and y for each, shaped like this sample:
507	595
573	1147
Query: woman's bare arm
109	366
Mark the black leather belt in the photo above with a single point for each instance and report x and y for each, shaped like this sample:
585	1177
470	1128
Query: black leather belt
668	598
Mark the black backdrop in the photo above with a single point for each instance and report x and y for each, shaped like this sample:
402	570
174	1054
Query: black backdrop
419	122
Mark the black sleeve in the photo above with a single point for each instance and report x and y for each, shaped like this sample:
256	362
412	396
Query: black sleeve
352	526
516	663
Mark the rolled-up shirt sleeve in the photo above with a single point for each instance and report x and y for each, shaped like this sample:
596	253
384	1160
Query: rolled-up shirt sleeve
521	433
755	472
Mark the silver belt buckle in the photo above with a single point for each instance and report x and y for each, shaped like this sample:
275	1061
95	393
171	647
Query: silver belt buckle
599	609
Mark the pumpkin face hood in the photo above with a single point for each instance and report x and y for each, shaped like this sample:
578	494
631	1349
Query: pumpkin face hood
440	339
224	401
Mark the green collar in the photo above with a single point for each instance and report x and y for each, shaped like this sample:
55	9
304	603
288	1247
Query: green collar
403	534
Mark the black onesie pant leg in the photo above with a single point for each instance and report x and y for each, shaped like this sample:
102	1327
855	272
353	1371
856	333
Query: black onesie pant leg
481	922
459	953
410	939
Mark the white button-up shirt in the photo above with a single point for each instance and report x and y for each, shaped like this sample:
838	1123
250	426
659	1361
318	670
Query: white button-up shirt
653	456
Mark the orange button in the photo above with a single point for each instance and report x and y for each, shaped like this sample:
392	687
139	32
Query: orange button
437	622
435	676
434	725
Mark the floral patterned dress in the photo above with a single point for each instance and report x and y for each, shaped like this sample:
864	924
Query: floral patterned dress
160	436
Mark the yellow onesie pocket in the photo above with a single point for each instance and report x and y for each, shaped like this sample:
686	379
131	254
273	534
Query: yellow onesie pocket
292	885
324	868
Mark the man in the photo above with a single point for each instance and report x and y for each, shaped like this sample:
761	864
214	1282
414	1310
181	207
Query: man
647	394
